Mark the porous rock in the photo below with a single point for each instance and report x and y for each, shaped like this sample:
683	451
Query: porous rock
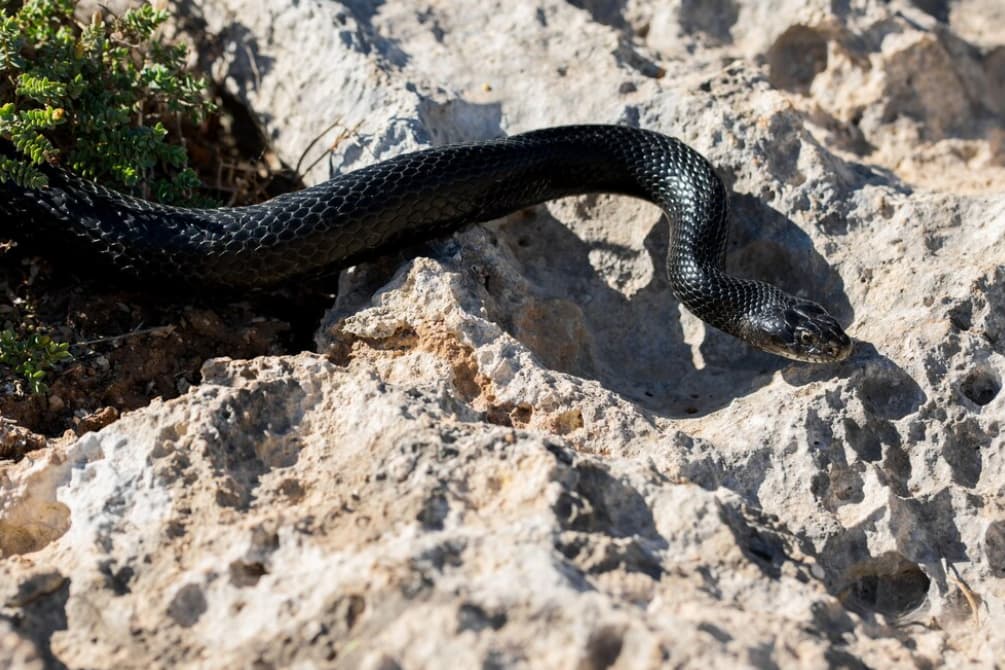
511	447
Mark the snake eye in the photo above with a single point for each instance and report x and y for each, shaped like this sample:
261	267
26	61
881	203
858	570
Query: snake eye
805	337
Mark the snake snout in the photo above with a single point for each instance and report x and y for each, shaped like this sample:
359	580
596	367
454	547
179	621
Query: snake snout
814	335
840	348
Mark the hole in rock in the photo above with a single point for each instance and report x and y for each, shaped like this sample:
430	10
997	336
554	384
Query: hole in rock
796	58
188	605
846	486
994	548
474	618
980	386
33	517
603	648
713	18
889	585
22	533
433	513
890	394
246	574
962	450
962	316
608	13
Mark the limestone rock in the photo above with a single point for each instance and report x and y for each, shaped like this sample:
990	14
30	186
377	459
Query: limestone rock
512	448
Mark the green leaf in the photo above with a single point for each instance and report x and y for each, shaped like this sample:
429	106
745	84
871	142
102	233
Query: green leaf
40	88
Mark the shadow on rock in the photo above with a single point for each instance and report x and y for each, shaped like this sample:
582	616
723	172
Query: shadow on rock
364	11
760	544
764	244
41	611
886	390
607	525
250	63
635	345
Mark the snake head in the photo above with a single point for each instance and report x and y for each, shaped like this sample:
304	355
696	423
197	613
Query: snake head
801	330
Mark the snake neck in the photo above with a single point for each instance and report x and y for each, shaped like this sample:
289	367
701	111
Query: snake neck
697	210
731	304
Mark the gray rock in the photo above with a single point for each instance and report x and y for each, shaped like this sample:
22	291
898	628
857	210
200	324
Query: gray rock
512	449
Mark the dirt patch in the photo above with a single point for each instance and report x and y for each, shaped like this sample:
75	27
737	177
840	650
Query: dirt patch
127	346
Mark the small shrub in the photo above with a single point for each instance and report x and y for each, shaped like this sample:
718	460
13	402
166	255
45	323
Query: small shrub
98	98
32	356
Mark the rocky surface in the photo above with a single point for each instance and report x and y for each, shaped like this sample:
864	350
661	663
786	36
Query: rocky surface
511	448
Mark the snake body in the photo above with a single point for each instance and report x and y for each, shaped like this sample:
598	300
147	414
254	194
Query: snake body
422	195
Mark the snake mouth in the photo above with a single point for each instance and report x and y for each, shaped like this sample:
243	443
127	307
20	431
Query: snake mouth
840	352
833	352
830	352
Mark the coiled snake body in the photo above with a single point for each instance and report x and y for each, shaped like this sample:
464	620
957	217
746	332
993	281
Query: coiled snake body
421	195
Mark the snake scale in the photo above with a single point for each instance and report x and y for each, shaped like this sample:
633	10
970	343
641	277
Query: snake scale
422	195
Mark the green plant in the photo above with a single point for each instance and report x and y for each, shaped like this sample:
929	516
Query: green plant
98	98
32	356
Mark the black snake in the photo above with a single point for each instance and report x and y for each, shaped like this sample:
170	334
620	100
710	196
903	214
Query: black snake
421	195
